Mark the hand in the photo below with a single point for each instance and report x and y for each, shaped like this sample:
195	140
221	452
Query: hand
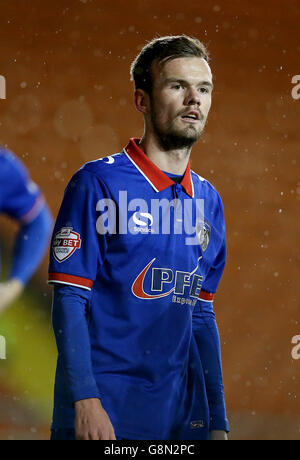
218	435
92	422
9	291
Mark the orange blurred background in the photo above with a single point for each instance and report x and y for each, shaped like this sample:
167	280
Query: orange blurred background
69	100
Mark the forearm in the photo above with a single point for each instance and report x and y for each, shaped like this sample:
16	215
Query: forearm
208	343
30	246
72	339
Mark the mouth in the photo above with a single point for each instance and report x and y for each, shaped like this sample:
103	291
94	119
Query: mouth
191	117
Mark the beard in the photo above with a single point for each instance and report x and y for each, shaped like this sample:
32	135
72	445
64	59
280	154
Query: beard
171	137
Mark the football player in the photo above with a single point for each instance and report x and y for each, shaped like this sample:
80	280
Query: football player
138	251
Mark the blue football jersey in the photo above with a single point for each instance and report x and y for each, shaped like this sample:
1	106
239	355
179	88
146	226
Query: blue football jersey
150	251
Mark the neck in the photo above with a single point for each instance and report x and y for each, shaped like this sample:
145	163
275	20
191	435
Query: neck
172	161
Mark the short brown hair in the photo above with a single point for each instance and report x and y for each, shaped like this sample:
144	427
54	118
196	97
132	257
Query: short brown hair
163	48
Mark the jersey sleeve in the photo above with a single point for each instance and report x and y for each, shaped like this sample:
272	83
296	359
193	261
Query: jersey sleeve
77	250
23	199
30	246
206	341
211	282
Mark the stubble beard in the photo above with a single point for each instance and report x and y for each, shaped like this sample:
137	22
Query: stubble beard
172	138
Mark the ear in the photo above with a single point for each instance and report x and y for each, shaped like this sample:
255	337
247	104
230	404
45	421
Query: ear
141	100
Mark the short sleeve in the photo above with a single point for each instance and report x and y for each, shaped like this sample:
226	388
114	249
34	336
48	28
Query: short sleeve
215	272
77	250
22	197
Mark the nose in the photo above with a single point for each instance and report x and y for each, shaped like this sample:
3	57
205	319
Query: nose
193	97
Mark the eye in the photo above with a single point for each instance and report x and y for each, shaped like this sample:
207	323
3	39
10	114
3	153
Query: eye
204	90
176	86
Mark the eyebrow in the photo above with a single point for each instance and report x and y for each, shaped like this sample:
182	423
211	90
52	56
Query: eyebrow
180	80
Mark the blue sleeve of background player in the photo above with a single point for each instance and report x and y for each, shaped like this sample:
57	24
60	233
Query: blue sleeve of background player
30	245
69	320
22	198
23	201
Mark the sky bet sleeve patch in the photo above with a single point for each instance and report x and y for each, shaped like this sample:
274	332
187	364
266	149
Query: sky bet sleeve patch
65	243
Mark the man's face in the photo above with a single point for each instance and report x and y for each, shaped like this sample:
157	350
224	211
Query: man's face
180	100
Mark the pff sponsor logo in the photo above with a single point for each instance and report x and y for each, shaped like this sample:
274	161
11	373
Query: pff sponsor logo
2	347
164	281
2	87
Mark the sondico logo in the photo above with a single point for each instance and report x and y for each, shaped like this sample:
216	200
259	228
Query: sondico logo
142	220
2	87
2	347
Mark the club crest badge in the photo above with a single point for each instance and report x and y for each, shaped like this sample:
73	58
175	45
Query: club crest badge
65	243
203	232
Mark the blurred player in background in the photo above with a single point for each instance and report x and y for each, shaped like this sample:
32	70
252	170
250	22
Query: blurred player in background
22	200
138	345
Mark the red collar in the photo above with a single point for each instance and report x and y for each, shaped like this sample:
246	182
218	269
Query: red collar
157	178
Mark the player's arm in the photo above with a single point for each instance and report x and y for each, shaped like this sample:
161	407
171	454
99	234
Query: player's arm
206	335
30	246
25	204
69	319
77	253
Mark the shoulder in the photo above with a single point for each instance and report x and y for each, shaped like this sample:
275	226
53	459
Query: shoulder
105	167
100	173
204	188
7	158
11	165
213	205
